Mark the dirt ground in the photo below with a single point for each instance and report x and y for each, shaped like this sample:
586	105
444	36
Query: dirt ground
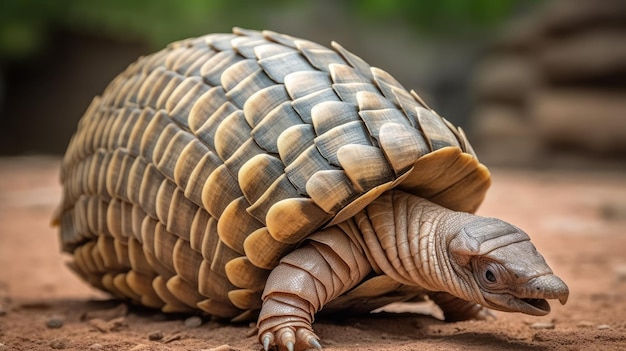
577	220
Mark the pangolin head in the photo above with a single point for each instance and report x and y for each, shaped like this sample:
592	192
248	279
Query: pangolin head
504	269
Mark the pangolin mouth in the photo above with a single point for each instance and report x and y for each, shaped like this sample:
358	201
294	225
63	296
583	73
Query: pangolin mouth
531	298
540	305
510	303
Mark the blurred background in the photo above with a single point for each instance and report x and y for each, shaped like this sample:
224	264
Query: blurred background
537	83
540	86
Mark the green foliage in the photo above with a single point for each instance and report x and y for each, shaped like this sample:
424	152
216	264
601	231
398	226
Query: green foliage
25	24
442	16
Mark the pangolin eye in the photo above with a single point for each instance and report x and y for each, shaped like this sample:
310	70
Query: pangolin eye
490	276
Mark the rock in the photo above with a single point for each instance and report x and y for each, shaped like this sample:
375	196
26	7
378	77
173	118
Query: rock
95	346
222	348
563	70
503	135
140	347
172	338
108	314
541	337
570	15
98	324
584	324
54	323
159	317
613	211
193	322
620	273
3	311
495	120
252	331
505	78
594	54
59	343
157	335
585	118
117	324
542	325
110	326
604	327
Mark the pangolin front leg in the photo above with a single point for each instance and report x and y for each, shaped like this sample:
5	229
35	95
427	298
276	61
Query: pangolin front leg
328	265
456	309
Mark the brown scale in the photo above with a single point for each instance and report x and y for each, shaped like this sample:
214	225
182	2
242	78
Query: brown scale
183	98
199	225
203	164
305	105
282	188
236	224
268	130
211	71
243	79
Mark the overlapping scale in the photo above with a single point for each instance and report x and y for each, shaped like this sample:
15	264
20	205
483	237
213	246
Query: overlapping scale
211	71
303	83
267	132
182	99
262	102
279	66
236	224
202	165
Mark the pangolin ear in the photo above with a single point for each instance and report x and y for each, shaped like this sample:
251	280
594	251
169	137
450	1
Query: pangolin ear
462	247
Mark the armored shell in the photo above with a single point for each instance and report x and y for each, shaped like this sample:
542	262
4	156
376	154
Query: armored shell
201	165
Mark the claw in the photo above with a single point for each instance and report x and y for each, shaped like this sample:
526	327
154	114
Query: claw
286	336
485	314
491	315
308	337
267	340
315	344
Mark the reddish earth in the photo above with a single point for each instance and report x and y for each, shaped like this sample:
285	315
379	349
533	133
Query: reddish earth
577	220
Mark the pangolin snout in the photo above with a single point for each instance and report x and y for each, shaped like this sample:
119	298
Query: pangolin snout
547	287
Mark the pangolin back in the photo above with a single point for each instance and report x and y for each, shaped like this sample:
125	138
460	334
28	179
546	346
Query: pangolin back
201	165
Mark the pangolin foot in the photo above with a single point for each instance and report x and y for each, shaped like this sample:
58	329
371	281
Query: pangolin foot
288	338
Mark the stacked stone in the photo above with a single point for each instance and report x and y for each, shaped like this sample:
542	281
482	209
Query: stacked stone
555	80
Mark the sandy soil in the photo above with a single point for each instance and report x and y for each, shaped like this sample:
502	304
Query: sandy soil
577	220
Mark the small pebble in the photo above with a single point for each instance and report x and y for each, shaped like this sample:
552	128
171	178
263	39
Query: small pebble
120	310
3	311
193	322
159	317
98	324
620	273
54	323
172	338
117	324
113	325
58	344
604	327
224	347
140	347
157	335
542	325
584	324
95	346
328	341
541	336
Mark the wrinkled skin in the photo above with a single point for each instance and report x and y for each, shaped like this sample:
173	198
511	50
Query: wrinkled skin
504	269
467	263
